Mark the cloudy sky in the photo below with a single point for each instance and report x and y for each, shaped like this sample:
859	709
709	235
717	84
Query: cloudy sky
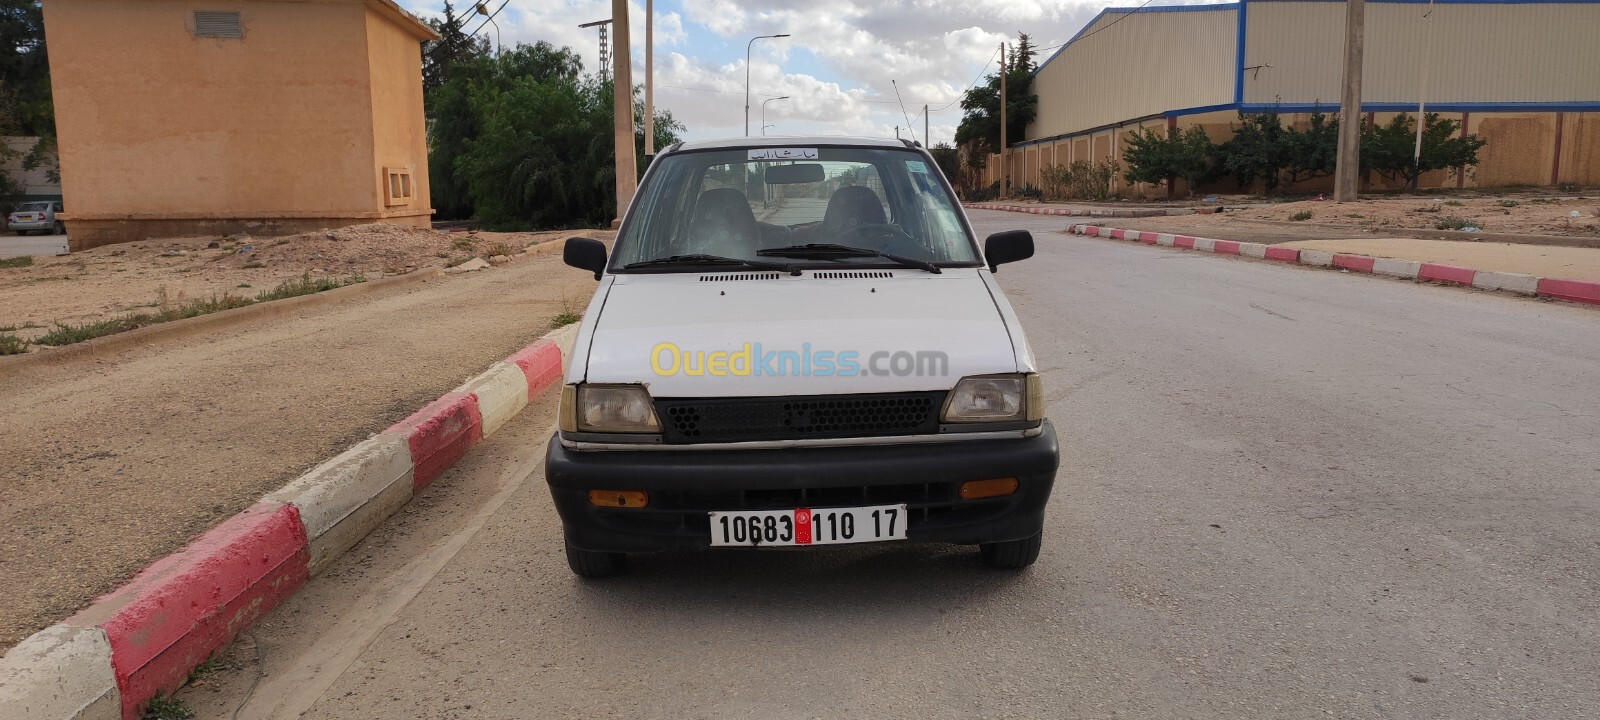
836	68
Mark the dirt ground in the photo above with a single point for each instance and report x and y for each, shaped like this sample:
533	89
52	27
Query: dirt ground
110	463
1514	213
1526	215
109	280
1567	263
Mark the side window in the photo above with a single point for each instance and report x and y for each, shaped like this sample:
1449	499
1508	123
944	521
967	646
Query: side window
57	207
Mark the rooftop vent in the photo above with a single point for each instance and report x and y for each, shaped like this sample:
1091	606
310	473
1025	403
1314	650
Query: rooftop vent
217	24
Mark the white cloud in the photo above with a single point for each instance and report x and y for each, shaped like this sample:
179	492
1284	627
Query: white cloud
850	51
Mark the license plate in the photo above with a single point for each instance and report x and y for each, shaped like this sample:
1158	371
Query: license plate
809	526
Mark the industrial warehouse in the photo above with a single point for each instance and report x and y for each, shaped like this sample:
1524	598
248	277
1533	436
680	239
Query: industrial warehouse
1520	75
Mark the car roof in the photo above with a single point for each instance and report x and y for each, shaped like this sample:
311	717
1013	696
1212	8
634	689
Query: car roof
790	141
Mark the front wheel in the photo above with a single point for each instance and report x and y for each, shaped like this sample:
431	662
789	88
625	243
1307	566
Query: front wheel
1012	554
592	564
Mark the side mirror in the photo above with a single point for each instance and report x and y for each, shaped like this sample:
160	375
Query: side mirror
586	254
1009	246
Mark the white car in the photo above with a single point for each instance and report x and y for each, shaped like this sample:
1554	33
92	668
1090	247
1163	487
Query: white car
797	342
36	215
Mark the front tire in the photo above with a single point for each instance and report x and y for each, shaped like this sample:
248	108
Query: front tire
1012	554
592	564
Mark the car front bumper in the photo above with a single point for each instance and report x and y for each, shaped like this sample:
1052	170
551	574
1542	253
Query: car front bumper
685	486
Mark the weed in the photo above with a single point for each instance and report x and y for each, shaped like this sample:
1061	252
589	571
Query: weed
242	285
66	334
1509	203
1302	215
1451	222
167	708
1545	201
464	244
206	668
1357	216
565	318
1454	203
253	264
12	345
17	262
459	260
498	249
442	254
185	269
306	285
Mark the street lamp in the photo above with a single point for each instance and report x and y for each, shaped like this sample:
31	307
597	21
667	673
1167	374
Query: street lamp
484	11
764	124
747	77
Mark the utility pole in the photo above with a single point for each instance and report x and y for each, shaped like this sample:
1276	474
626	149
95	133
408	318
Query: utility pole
927	142
649	80
622	108
1005	165
605	57
1347	170
1422	94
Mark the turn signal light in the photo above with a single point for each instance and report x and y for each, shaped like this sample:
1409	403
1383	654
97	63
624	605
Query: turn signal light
979	489
621	498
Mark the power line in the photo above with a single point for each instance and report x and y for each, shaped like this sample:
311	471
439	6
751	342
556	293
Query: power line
969	86
903	112
1106	26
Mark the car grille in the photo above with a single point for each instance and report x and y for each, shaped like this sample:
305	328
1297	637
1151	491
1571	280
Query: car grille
703	420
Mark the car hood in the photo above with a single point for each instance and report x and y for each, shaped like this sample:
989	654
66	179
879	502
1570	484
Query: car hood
903	330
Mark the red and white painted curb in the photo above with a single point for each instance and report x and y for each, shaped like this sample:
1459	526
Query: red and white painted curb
1579	291
142	640
1075	212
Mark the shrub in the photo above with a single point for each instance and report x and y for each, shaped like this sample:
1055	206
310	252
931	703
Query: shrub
1509	203
1302	215
1389	149
1451	222
1153	158
12	345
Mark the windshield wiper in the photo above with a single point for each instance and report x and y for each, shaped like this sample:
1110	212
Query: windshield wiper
834	250
702	259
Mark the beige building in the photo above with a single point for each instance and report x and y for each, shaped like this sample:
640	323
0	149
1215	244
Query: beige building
180	117
1522	74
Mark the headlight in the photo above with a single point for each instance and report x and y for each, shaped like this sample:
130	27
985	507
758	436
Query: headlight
995	398
608	409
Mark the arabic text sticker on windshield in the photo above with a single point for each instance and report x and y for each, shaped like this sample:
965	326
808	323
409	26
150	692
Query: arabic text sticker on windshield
917	166
783	154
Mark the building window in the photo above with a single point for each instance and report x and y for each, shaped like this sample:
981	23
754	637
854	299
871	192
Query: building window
398	187
217	24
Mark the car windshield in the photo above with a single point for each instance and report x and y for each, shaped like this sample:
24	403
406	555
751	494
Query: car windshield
744	205
33	206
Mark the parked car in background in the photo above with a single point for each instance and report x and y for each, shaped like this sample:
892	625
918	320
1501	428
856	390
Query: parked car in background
37	215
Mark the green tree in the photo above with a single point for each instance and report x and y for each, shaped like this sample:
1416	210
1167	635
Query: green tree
1313	152
981	120
1389	149
524	139
1155	157
1257	151
948	158
454	46
26	107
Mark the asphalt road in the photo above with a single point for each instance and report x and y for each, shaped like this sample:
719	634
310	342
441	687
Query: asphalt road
12	245
1285	493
